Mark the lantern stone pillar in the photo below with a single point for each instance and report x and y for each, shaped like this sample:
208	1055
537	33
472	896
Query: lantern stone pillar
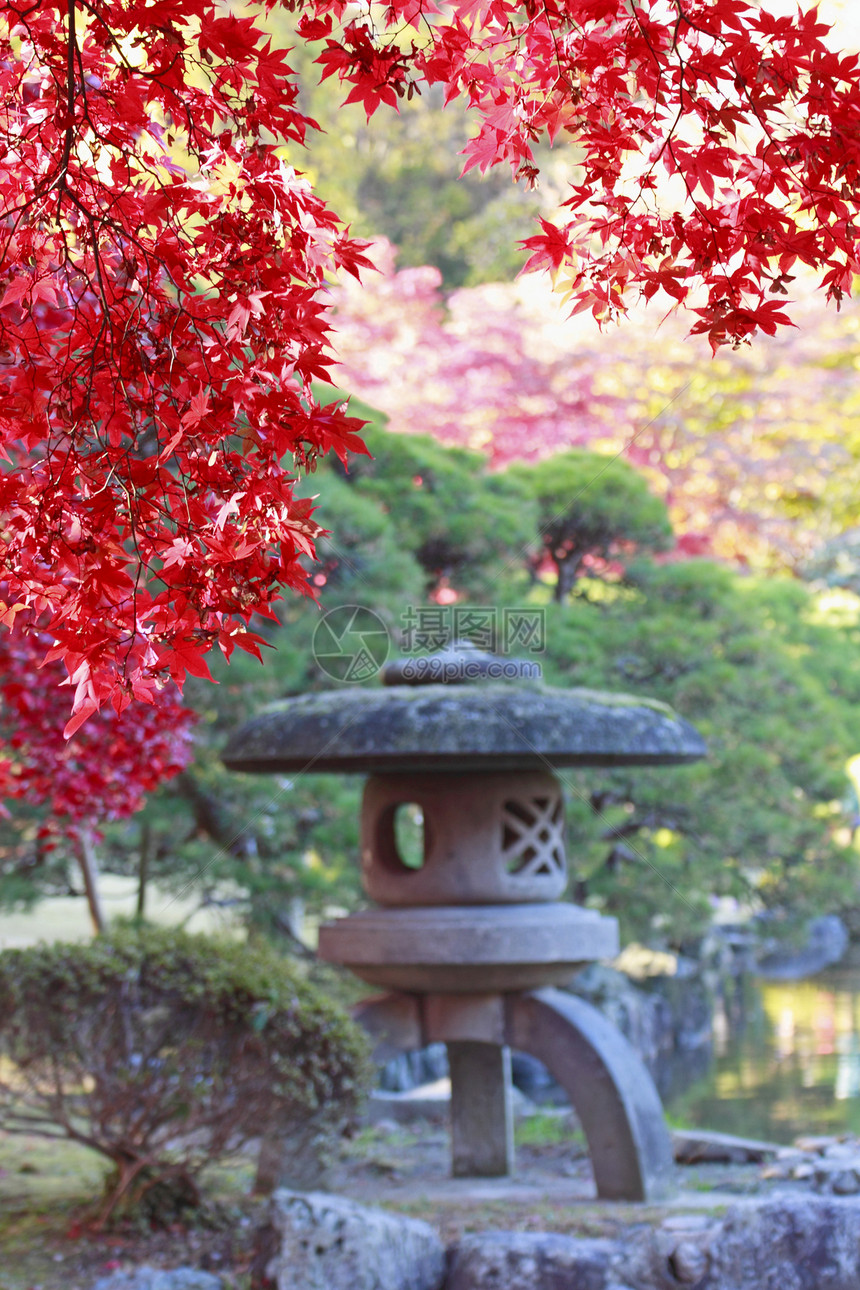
482	1116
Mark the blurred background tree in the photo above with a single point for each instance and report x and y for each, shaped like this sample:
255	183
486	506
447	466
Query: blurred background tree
591	510
767	668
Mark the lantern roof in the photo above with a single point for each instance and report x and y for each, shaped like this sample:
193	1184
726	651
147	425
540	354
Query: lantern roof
479	724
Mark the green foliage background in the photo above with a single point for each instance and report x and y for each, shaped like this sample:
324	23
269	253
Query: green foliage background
767	672
399	177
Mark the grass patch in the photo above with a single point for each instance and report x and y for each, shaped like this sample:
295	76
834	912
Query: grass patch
37	1174
47	1188
546	1129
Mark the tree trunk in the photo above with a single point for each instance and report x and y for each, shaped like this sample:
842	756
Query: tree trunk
146	848
90	870
567	571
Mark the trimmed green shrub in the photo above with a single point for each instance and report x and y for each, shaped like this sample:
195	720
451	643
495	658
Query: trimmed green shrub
165	1052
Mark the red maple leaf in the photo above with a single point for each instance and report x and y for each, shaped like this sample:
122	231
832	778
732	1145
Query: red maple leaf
164	309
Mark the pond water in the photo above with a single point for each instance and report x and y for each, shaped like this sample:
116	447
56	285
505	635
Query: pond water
786	1060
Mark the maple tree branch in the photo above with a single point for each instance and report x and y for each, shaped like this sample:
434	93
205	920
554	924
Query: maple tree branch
71	95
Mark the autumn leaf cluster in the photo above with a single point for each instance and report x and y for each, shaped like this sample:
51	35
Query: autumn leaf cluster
164	267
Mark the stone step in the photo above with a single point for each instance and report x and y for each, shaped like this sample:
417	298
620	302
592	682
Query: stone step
701	1146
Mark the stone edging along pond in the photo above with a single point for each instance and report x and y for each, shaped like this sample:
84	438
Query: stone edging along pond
317	1241
796	1226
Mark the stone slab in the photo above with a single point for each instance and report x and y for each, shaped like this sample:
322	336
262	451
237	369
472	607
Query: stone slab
324	1242
789	1242
701	1146
529	1261
798	1242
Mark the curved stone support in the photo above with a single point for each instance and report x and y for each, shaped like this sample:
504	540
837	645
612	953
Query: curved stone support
608	1086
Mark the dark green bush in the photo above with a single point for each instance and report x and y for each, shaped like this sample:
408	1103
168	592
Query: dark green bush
165	1052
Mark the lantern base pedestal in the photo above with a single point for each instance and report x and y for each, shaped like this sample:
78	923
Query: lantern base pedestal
454	982
608	1086
464	949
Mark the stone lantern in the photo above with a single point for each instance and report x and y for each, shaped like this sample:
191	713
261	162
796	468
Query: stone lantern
471	941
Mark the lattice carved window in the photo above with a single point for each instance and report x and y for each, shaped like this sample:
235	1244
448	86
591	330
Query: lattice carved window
532	837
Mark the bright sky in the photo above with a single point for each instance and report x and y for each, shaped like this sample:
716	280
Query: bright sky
845	16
